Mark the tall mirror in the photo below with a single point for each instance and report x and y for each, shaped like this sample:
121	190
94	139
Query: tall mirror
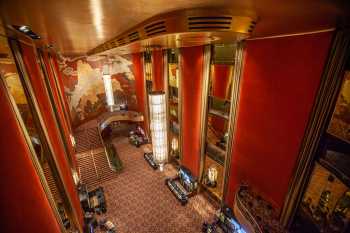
173	105
218	118
20	98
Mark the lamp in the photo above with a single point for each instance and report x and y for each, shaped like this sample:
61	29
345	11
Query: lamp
212	175
174	144
157	108
107	81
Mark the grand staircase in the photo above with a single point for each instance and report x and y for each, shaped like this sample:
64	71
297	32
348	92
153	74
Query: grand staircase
94	168
88	139
51	182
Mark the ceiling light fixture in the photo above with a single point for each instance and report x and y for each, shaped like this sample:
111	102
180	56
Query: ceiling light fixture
27	31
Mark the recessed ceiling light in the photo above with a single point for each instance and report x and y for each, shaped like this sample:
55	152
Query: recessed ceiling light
28	31
24	28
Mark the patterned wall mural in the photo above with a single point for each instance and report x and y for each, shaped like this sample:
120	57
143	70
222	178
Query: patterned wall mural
84	88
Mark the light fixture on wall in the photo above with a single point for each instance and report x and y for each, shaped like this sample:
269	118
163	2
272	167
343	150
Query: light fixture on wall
107	81
212	176
72	139
157	107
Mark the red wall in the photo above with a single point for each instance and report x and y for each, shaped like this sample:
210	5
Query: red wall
37	82
158	70
280	79
59	107
140	88
66	109
191	91
23	203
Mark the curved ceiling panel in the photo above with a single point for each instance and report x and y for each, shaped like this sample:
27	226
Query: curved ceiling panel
76	27
181	29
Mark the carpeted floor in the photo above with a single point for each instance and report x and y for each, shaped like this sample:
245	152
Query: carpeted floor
138	201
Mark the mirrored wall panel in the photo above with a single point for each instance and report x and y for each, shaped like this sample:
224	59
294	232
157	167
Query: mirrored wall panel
148	70
173	104
218	117
42	155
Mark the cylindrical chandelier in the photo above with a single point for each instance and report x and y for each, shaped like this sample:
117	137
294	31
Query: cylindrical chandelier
107	81
157	109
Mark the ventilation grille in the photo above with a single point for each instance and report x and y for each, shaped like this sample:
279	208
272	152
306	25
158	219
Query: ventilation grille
200	23
251	26
155	28
121	41
134	36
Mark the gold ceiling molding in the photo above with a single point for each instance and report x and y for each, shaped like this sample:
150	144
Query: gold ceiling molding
181	29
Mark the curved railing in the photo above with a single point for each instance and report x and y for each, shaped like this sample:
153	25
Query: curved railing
255	214
130	116
107	118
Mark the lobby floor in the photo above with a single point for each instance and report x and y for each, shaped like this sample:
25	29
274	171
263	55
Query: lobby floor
138	201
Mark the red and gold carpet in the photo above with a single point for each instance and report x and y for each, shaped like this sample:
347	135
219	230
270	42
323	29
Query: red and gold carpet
138	201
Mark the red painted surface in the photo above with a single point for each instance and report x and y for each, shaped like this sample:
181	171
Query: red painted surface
280	79
37	82
60	108
158	70
140	88
60	83
23	203
220	88
191	91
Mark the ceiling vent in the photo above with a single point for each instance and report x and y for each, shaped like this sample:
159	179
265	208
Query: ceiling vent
155	28
121	41
251	26
134	36
203	23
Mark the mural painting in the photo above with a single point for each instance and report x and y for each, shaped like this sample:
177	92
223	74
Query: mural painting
84	88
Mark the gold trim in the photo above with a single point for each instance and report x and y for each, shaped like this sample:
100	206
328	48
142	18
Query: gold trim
179	96
292	34
28	87
322	110
49	91
237	75
60	93
147	117
204	107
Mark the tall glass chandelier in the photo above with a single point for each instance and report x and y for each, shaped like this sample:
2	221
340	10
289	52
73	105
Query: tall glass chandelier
107	81
157	108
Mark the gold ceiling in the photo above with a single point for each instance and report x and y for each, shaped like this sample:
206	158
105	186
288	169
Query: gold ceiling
77	26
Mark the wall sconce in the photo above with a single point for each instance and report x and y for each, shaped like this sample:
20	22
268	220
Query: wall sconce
157	107
174	144
107	81
212	176
72	139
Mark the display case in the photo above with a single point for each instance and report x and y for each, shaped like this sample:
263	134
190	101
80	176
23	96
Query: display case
174	107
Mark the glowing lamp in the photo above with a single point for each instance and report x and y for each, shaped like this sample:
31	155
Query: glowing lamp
212	175
157	109
107	81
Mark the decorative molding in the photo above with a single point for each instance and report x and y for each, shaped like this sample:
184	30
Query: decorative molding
49	91
322	110
204	107
237	75
179	94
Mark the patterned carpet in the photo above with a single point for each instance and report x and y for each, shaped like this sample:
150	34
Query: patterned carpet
138	201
